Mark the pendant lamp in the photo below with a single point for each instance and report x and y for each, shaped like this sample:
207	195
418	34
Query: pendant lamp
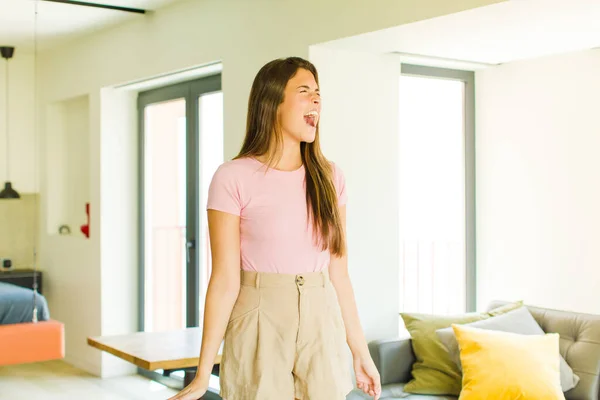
38	340
8	192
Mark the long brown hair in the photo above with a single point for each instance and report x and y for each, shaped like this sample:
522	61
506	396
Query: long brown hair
264	137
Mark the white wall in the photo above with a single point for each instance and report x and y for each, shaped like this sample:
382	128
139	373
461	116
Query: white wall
67	167
119	175
243	35
359	131
538	174
20	109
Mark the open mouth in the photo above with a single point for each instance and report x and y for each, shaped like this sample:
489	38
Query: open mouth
311	118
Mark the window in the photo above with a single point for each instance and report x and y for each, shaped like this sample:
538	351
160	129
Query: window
210	110
181	146
436	191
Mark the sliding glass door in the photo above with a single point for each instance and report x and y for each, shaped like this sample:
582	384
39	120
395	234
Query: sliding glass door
181	135
210	111
437	186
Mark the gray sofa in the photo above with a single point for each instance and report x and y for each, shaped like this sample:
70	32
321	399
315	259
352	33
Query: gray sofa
579	345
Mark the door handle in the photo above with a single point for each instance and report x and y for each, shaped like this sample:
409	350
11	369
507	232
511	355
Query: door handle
190	244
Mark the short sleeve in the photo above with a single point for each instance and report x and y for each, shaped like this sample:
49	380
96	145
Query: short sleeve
340	185
224	191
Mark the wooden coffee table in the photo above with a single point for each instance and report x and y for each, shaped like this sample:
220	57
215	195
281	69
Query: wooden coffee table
170	350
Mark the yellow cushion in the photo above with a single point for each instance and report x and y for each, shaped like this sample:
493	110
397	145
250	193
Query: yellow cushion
508	366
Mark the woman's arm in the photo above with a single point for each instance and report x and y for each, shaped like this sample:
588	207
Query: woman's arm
338	273
223	287
367	376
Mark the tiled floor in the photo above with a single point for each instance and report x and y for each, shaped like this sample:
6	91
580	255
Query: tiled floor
57	380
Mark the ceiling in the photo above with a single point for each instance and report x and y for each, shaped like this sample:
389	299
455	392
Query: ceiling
503	32
58	22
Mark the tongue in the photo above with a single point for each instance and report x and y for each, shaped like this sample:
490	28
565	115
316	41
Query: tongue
310	120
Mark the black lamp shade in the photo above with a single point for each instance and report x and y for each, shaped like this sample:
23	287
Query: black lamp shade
8	192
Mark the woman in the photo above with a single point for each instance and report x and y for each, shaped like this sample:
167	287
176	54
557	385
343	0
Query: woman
277	211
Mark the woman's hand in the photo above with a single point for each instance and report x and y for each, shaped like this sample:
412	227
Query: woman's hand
195	390
367	376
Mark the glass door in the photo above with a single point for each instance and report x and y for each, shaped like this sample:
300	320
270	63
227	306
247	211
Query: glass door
437	190
210	111
165	216
181	137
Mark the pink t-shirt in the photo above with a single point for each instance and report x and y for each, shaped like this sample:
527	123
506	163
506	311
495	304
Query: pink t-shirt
275	235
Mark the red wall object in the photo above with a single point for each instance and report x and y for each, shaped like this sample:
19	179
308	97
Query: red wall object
85	229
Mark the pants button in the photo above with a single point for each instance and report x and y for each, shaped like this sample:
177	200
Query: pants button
300	280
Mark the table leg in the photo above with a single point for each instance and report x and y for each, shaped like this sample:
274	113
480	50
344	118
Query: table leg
188	377
190	373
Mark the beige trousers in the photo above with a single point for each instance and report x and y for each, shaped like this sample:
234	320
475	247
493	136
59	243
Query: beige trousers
285	339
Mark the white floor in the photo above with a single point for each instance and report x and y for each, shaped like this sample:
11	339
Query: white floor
57	380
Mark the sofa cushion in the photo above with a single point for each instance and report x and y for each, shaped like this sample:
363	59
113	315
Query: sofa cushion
579	345
516	321
433	371
509	365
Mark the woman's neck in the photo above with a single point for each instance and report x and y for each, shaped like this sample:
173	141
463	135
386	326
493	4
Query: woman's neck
290	160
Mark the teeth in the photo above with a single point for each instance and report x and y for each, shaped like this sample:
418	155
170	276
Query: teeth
313	114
